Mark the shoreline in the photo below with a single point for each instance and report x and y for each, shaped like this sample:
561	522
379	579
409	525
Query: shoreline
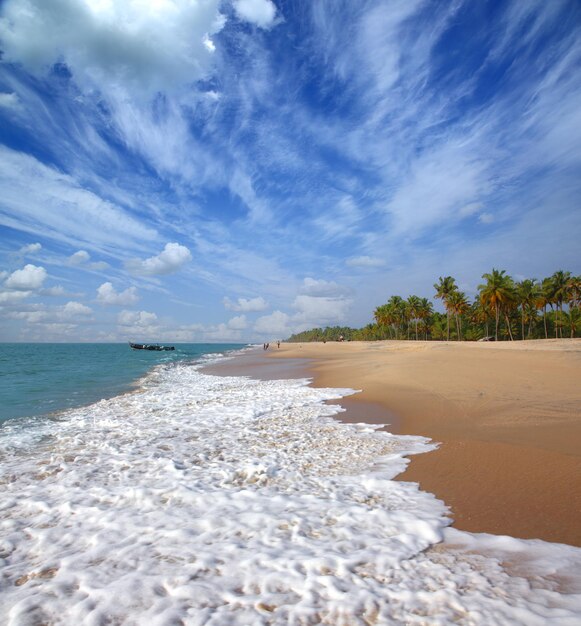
506	416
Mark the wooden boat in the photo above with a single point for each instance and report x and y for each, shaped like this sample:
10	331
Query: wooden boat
149	346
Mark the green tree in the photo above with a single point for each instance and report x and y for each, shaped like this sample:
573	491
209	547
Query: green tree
459	306
414	305
445	287
425	312
559	291
499	294
572	319
574	291
527	292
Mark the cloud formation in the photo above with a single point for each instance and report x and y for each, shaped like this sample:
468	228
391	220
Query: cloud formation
30	277
170	260
128	44
247	305
262	13
79	257
106	294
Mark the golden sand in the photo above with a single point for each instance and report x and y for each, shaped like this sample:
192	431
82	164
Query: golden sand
507	417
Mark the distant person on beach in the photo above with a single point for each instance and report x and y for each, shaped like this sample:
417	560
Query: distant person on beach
278	344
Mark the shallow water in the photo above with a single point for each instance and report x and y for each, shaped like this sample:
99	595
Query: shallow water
40	378
224	500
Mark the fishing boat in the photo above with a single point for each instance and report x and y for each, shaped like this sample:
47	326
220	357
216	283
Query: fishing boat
149	346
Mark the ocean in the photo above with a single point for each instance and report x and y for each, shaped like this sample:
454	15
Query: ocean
136	489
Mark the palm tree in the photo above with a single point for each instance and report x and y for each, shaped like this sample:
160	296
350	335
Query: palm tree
544	298
425	313
397	312
479	314
444	288
573	320
414	305
559	283
382	317
499	294
527	291
458	305
574	292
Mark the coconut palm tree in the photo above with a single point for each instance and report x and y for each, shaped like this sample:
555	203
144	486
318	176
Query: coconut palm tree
444	288
574	292
544	299
426	311
499	294
559	283
414	305
381	316
527	292
459	305
573	320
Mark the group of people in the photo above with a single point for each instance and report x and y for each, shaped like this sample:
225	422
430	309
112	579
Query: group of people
266	346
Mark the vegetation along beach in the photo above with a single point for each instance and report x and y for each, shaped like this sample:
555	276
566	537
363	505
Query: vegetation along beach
290	313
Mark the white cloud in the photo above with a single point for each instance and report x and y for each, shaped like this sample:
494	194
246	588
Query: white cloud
238	322
30	277
137	318
277	324
131	44
259	12
11	297
98	265
342	221
423	201
365	261
246	305
39	199
322	288
106	294
9	101
31	248
321	311
222	332
75	309
486	218
170	260
80	257
56	291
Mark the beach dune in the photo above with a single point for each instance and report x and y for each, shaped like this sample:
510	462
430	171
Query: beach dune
506	416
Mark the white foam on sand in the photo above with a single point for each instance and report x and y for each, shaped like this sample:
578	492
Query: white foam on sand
213	500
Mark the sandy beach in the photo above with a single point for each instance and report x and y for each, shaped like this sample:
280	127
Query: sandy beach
507	418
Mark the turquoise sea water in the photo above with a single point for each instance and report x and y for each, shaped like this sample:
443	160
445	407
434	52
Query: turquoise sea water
40	378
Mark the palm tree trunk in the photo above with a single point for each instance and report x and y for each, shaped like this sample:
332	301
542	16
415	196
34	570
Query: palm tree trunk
448	325
523	322
497	315
545	321
508	326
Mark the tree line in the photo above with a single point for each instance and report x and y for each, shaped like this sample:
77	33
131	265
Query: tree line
504	309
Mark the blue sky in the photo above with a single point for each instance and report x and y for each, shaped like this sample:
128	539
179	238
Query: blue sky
197	170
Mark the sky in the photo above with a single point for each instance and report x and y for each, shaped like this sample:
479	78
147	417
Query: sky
240	170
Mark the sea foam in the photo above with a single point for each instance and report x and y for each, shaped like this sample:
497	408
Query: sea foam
226	500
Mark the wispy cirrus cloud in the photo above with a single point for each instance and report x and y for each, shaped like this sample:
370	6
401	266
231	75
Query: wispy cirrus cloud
362	143
42	201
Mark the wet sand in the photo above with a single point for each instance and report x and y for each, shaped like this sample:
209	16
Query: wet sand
507	417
